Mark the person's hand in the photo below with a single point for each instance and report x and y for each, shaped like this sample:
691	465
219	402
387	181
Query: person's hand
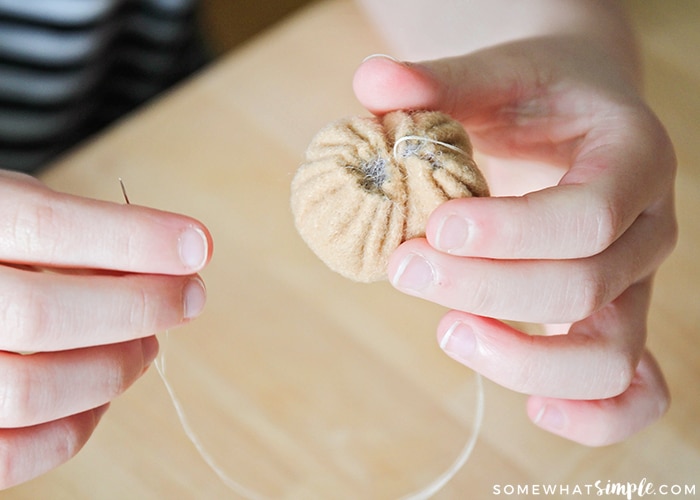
583	216
84	286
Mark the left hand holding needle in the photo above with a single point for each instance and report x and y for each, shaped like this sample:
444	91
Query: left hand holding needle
84	285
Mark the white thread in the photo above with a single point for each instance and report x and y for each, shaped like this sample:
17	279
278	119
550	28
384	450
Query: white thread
182	416
424	139
422	494
192	436
381	56
464	455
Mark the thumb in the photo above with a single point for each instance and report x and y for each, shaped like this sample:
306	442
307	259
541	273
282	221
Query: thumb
469	88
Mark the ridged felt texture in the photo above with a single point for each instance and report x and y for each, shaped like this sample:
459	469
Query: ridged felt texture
355	199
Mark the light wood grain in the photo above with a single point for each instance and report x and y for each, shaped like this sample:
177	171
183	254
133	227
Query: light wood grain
305	385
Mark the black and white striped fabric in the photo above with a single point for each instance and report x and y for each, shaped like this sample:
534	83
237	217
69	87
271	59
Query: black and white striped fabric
68	67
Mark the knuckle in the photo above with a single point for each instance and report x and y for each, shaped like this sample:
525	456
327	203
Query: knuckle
116	382
618	375
15	396
482	298
24	313
623	374
527	379
33	227
124	371
591	289
131	250
607	224
139	310
529	375
144	311
68	438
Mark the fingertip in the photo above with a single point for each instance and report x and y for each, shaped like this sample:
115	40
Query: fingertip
569	420
546	414
446	325
169	243
408	269
560	417
194	297
449	230
469	227
607	421
383	84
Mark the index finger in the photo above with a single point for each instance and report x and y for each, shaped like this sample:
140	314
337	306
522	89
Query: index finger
622	169
39	226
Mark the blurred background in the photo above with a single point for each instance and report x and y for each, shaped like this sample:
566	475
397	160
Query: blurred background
70	67
227	23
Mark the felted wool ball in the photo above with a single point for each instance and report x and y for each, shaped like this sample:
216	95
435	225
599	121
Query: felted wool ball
369	183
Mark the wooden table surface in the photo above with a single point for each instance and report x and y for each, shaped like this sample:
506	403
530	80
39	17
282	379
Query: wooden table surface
302	384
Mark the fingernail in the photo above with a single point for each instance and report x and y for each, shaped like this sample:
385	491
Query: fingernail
194	296
550	417
414	274
452	233
193	247
459	341
381	56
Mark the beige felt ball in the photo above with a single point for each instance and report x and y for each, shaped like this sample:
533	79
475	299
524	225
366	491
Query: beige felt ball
369	183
